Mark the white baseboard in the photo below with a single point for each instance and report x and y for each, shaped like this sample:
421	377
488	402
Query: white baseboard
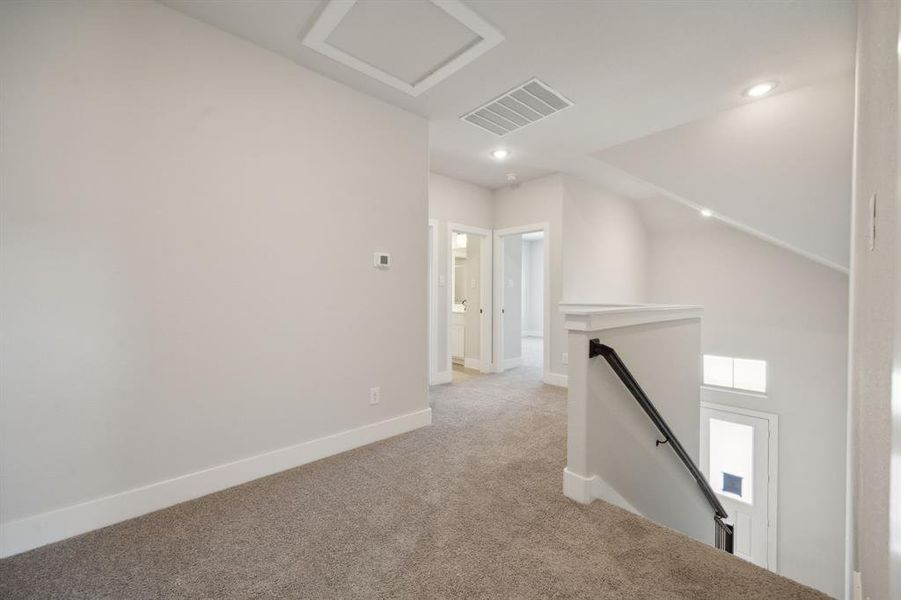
555	379
512	363
587	489
38	530
537	334
472	363
577	487
442	377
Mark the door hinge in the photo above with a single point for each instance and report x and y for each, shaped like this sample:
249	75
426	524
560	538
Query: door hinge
872	222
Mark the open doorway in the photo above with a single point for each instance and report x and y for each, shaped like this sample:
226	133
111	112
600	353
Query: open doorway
469	301
521	300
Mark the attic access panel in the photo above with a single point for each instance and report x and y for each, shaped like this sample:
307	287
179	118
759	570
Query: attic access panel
410	46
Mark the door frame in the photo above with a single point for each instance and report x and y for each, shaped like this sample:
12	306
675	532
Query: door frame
498	332
772	500
485	292
433	301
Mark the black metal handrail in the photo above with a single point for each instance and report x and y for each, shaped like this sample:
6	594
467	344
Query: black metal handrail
724	532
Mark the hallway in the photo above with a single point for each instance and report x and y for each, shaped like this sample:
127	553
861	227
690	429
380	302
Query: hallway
470	507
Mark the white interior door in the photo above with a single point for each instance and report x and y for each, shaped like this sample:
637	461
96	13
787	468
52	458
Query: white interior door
475	318
735	458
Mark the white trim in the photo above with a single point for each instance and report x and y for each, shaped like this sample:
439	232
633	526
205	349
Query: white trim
331	16
534	334
498	331
485	292
442	377
735	391
596	317
556	379
45	528
434	265
512	363
576	487
587	489
772	420
472	363
486	289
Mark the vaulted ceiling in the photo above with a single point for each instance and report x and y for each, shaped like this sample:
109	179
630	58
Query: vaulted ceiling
657	87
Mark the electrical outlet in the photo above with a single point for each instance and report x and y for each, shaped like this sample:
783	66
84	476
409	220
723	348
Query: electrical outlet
374	395
565	358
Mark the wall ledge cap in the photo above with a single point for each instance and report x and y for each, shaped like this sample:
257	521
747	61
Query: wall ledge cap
587	317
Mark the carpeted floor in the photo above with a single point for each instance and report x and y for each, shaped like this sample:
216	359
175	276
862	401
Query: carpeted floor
468	508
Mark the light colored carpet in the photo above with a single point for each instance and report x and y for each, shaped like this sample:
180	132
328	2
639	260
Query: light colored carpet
461	374
468	508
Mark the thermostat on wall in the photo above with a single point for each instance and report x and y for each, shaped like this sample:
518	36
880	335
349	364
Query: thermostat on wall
381	260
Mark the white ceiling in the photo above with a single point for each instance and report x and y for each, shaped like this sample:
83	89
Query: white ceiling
781	166
632	68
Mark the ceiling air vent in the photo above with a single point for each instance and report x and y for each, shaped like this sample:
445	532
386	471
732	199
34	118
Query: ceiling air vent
521	106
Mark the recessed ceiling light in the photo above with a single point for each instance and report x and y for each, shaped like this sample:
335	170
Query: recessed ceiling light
500	154
511	177
760	89
706	212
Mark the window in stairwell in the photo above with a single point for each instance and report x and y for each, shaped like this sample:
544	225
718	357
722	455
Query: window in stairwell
718	370
737	373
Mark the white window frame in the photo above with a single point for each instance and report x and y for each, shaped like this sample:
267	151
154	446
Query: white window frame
733	387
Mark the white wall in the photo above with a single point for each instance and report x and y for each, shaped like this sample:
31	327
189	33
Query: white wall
619	440
875	466
533	287
452	201
597	245
169	191
764	302
513	300
604	246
